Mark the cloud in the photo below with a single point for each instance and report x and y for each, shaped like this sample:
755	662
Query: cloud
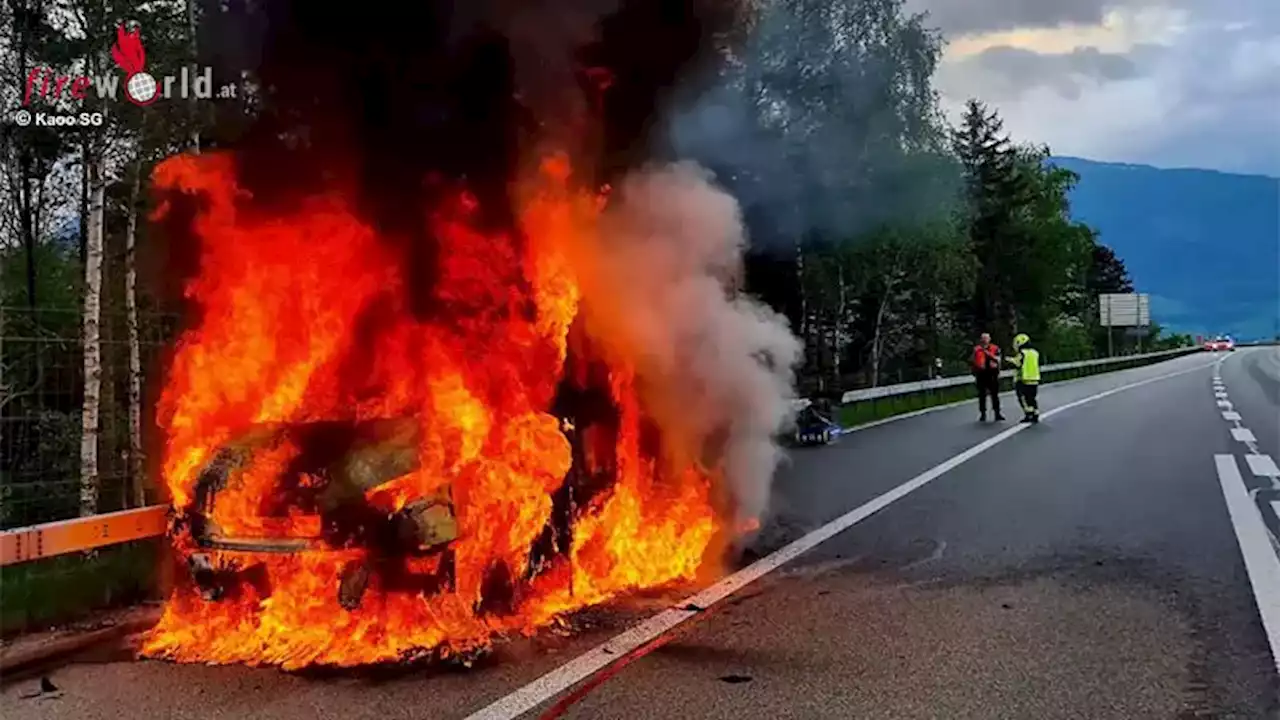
1163	82
959	17
1007	73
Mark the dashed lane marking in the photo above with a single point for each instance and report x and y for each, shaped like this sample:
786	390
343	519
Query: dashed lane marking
1240	432
1260	559
629	642
1220	395
1262	465
1225	404
1244	435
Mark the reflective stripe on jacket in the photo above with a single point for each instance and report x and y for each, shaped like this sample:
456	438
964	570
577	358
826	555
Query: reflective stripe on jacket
1029	366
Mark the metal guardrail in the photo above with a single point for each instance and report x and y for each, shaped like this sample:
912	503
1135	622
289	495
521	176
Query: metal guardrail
876	393
46	540
79	534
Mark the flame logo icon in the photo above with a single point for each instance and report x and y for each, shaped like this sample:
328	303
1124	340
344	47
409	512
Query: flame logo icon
128	53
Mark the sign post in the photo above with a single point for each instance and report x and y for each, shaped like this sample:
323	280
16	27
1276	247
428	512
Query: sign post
1123	310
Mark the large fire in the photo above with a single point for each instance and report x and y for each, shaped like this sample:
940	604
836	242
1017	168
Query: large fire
304	324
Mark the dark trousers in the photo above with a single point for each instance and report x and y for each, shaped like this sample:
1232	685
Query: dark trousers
1027	397
988	385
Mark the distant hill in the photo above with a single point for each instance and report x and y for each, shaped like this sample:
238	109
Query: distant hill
1204	244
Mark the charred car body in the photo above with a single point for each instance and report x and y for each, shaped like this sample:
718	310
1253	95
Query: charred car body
339	464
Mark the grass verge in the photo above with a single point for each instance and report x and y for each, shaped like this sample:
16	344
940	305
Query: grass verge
868	411
58	590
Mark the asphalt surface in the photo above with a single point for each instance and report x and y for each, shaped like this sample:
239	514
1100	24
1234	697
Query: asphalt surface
1086	567
1253	383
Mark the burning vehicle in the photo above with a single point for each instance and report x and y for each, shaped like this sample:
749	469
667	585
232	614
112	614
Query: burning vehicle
458	360
345	463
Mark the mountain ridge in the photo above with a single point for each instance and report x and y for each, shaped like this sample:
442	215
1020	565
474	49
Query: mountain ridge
1204	243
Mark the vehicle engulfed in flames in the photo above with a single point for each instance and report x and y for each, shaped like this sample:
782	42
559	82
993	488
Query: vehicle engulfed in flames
342	468
344	477
456	362
352	486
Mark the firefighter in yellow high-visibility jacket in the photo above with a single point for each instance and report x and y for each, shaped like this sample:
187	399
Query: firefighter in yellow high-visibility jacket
1026	381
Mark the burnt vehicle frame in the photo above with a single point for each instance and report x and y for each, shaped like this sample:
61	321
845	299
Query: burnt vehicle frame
346	460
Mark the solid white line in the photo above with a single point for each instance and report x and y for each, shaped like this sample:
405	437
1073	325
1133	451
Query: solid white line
1244	435
1255	546
907	415
580	668
1230	415
1262	465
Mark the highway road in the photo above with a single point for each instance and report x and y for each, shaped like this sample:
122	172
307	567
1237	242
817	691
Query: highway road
1110	562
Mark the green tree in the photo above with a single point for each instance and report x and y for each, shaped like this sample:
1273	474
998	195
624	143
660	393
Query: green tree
994	190
95	174
1107	274
1034	259
841	97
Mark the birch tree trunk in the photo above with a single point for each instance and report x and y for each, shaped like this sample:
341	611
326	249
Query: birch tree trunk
800	288
135	350
877	340
841	315
4	390
192	107
84	198
90	420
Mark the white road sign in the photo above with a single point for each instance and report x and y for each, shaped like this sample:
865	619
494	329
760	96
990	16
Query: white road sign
1124	310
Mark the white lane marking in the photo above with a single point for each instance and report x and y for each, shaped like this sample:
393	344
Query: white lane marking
1255	546
1240	432
904	416
526	698
1262	465
1220	395
1244	435
1224	404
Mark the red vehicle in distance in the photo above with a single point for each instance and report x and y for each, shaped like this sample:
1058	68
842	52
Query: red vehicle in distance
1222	343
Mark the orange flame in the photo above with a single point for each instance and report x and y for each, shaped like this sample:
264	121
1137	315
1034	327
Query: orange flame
282	299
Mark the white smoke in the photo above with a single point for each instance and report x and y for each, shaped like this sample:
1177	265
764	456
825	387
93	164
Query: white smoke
714	366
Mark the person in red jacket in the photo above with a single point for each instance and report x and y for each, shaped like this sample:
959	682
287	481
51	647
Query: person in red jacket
986	372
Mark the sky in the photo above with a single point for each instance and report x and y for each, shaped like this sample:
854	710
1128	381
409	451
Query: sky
1170	83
